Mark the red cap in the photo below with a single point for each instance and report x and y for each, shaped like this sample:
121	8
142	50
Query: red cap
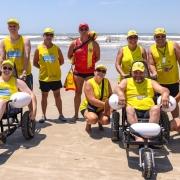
83	24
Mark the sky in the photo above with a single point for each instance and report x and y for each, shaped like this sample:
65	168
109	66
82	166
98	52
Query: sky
103	16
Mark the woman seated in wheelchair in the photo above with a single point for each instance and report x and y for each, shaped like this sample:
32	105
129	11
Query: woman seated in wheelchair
137	94
97	91
10	85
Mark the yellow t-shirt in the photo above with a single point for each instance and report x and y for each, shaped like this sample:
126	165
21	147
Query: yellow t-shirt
8	88
128	58
140	96
167	68
49	64
97	93
15	52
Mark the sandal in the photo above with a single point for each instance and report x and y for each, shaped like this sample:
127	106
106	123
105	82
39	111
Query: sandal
74	119
42	119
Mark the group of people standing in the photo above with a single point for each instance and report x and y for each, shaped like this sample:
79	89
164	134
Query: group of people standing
163	59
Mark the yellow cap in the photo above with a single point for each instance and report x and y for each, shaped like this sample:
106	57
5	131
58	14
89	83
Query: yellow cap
138	66
159	31
132	33
12	20
49	30
101	66
8	62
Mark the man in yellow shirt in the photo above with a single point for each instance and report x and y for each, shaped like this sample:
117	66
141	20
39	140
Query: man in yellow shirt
137	94
163	59
48	58
17	49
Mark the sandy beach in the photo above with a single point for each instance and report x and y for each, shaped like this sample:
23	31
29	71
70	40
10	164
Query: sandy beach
64	151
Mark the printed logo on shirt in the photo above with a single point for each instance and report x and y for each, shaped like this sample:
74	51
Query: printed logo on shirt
14	53
49	58
5	92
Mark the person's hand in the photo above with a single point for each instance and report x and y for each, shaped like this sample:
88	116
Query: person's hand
154	76
107	108
32	115
23	77
125	76
121	100
165	101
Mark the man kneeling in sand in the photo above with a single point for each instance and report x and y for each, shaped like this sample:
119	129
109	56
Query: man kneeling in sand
137	94
97	91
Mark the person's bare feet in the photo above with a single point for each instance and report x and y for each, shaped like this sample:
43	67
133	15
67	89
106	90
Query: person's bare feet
100	127
139	139
88	128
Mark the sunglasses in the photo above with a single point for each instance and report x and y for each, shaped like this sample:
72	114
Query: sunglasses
99	70
83	29
51	35
163	36
7	68
12	26
132	37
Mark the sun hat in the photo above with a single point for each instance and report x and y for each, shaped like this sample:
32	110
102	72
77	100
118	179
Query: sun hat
12	20
49	30
101	66
159	31
8	62
138	66
132	33
83	24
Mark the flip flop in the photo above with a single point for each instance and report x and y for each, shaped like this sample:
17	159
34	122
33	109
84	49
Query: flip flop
74	119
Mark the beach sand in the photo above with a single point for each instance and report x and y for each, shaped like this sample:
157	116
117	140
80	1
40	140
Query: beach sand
64	151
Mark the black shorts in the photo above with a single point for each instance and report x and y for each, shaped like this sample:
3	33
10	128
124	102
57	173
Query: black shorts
173	88
29	81
47	86
83	111
142	114
83	75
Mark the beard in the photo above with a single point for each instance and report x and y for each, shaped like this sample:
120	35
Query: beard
138	79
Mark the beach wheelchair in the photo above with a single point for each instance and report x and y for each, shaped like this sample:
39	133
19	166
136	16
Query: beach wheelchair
159	132
14	118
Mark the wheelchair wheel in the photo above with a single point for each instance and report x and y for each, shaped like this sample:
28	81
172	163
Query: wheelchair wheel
115	126
28	126
147	165
165	124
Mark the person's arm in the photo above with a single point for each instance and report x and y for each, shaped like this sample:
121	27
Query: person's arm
89	93
164	93
106	106
97	51
120	91
36	58
144	54
21	85
61	58
71	50
2	52
27	50
177	51
151	63
119	62
177	98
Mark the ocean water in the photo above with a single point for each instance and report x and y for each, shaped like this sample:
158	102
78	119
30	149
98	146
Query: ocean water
109	43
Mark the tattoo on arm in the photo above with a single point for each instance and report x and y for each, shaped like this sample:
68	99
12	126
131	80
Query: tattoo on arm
89	90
